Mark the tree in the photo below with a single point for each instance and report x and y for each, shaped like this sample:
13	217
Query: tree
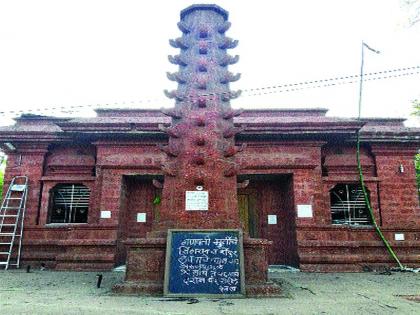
412	7
416	106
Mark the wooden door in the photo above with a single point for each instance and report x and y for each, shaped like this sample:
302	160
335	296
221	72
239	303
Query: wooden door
248	213
270	197
139	196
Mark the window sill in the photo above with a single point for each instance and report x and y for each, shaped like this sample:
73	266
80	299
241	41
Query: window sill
54	225
353	226
349	178
68	178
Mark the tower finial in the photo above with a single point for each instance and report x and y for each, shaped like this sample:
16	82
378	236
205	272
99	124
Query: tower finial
201	7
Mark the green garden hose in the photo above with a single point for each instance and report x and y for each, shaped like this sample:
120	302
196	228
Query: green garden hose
367	202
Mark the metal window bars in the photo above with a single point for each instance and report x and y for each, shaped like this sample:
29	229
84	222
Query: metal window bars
70	204
348	205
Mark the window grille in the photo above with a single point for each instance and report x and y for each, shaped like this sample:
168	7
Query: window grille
348	205
69	203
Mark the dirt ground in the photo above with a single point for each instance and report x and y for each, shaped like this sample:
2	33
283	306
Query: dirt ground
49	292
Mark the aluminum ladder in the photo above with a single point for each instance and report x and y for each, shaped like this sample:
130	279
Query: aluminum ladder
12	215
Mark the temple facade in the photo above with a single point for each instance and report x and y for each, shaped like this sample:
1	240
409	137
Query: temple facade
95	182
287	177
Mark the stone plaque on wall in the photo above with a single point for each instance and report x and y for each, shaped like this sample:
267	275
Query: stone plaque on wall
304	211
197	200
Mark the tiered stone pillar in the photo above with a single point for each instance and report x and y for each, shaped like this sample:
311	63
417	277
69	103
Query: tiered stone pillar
201	145
200	152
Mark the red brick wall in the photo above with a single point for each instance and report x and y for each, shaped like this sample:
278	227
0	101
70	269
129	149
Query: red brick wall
324	247
398	191
321	246
70	160
27	161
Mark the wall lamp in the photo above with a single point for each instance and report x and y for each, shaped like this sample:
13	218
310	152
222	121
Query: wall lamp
401	168
10	146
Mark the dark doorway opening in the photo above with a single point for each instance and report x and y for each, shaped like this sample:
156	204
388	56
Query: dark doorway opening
266	208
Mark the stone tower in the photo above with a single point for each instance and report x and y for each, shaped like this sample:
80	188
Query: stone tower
200	152
201	144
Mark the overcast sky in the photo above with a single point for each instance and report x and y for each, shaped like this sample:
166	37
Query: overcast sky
88	52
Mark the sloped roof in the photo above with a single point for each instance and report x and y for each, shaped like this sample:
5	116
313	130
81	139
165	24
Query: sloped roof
257	121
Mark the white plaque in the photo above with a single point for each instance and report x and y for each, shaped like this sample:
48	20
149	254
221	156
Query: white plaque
272	219
105	214
197	200
304	211
141	217
399	236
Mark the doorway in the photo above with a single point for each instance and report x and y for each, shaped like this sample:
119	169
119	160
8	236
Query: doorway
266	209
140	202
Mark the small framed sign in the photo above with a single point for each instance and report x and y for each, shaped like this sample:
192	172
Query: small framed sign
141	217
197	200
272	219
399	236
304	211
105	214
204	263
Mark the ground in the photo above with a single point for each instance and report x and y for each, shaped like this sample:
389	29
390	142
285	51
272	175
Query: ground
49	292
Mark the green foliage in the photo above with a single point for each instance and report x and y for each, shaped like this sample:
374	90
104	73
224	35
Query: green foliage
157	200
412	9
417	161
416	106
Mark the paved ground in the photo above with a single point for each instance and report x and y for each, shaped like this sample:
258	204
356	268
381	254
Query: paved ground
48	292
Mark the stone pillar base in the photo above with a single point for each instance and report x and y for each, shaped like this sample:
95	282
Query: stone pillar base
256	269
267	290
146	268
139	288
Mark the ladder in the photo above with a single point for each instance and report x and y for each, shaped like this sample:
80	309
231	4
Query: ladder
12	215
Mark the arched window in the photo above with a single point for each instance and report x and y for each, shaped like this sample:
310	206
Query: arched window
69	203
348	205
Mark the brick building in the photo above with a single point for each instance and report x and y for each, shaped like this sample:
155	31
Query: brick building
105	190
303	191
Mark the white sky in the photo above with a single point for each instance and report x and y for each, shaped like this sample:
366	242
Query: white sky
81	52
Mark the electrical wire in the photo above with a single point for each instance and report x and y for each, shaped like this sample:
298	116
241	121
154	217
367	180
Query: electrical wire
338	83
291	87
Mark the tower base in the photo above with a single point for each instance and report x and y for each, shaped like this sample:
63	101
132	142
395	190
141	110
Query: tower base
146	268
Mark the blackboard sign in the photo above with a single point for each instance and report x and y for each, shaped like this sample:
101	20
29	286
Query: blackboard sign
204	263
